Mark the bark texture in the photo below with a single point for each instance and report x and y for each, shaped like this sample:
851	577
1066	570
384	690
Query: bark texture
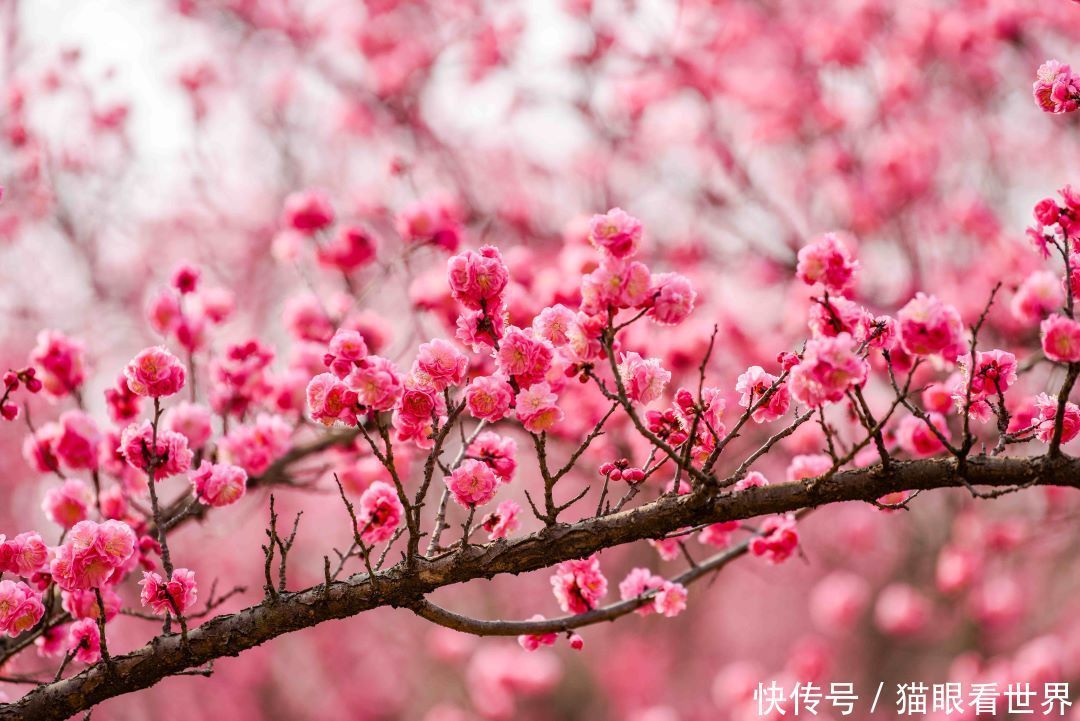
405	586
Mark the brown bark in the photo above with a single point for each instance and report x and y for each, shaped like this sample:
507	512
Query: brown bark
402	586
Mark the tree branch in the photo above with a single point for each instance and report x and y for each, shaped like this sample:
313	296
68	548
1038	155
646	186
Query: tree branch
399	586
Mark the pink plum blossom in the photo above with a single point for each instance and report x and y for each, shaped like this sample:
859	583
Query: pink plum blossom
307	211
537	408
915	437
166	453
254	446
503	521
829	367
1038	296
346	349
753	384
478	279
901	610
497	452
218	484
523	357
672	298
61	361
20	608
440	365
472	483
615	284
1056	88
533	641
84	639
929	327
377	383
23	555
1046	407
826	260
379	513
671	599
777	540
155	372
643	379
69	503
488	398
191	420
175	596
91	553
617	233
331	401
579	585
1061	338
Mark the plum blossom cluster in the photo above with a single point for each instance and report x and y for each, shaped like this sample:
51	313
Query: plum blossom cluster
668	598
1056	88
27	378
518	374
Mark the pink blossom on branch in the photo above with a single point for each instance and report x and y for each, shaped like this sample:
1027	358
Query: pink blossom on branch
62	361
503	521
499	453
377	383
478	279
307	211
173	596
23	555
829	367
777	540
753	384
84	639
91	554
440	365
1046	407
166	453
643	379
1061	338
929	327
671	298
488	398
218	484
1056	88
617	233
826	260
20	608
472	483
379	513
579	585
69	503
537	408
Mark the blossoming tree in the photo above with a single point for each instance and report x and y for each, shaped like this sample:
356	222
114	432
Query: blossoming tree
546	403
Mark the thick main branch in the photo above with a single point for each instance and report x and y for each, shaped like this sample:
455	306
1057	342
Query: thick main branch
229	635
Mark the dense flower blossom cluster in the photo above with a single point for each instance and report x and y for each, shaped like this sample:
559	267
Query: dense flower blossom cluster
218	484
778	539
1057	88
155	372
827	261
668	598
163	453
579	585
529	356
91	554
20	607
828	369
175	595
379	514
473	483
